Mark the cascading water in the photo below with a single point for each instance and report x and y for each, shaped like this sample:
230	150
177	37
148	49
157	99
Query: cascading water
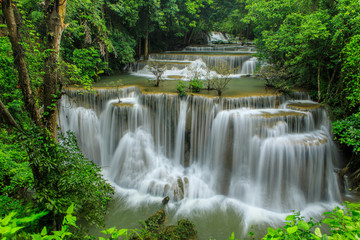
243	155
182	64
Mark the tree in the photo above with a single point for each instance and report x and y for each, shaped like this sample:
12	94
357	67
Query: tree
9	9
60	173
54	20
221	78
158	69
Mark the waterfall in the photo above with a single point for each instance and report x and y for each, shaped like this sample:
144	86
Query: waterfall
202	59
248	68
246	149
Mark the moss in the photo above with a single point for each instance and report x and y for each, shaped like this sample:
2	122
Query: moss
154	229
155	222
281	114
184	229
123	104
303	106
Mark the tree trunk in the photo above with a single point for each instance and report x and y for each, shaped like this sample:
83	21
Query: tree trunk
55	12
146	50
190	37
8	117
330	82
19	61
157	84
319	90
140	48
185	38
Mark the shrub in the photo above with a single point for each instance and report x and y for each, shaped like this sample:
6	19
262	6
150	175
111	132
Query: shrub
195	85
180	87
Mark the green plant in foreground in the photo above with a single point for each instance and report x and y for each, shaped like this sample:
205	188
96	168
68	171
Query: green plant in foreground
195	85
180	87
10	226
342	223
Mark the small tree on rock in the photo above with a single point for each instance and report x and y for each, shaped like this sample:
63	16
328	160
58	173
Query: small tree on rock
158	69
220	80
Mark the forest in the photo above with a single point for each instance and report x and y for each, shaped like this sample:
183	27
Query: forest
46	183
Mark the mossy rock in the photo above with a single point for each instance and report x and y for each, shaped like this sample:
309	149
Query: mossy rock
154	228
154	222
182	231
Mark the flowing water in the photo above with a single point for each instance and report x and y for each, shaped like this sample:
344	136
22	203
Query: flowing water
202	60
226	164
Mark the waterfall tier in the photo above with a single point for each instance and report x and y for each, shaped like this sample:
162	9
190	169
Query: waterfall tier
200	59
269	152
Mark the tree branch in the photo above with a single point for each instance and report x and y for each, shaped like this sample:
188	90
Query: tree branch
7	115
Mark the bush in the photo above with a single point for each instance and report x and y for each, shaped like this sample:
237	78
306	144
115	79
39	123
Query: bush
195	85
347	132
342	223
180	87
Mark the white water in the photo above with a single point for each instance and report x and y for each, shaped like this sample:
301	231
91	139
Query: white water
200	59
218	37
242	154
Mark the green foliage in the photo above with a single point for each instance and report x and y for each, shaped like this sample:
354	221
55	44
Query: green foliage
180	88
343	224
277	78
57	171
123	50
184	229
9	90
313	45
10	226
347	131
65	232
195	85
62	175
89	62
15	174
351	71
296	228
154	228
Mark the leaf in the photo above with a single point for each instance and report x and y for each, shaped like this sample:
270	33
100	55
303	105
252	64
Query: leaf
15	229
290	218
44	231
271	231
304	225
292	230
70	210
318	232
36	237
123	232
232	237
7	219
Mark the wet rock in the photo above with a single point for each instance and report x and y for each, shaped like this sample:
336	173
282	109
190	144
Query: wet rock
165	200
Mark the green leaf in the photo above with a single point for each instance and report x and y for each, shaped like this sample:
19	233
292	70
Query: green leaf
292	230
271	231
70	210
318	232
290	218
15	229
304	225
44	231
123	232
